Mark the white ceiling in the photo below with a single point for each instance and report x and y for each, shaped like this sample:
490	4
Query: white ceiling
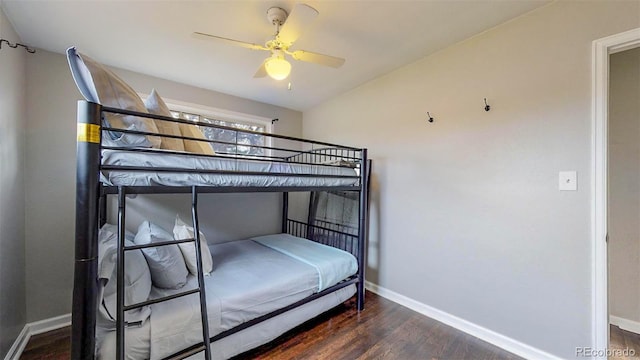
153	37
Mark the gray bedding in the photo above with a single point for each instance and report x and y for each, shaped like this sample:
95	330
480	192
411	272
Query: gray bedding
249	280
159	160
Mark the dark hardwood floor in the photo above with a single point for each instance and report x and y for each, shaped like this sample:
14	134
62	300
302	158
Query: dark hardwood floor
385	330
52	345
621	340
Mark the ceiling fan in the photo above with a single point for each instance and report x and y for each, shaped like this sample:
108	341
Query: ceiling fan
289	27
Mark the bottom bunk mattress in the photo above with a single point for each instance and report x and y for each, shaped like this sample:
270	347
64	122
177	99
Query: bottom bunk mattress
251	278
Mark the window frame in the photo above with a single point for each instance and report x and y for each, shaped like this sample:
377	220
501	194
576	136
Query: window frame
214	113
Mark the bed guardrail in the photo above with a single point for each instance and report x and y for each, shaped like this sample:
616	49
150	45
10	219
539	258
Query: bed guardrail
298	147
279	149
342	240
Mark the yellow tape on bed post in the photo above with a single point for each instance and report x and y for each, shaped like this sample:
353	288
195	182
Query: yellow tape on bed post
89	133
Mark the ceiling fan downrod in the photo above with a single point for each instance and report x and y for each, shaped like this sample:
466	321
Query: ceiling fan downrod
277	16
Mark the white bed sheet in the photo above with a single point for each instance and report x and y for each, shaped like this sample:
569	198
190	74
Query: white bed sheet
330	263
249	280
140	178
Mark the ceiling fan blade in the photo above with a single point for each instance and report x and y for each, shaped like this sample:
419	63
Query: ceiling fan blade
262	71
300	18
316	58
203	36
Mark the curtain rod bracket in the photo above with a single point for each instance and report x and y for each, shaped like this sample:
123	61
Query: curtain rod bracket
15	45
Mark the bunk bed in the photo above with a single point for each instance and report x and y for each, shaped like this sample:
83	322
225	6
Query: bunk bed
286	279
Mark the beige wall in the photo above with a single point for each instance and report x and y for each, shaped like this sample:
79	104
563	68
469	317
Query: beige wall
50	178
466	213
12	222
624	185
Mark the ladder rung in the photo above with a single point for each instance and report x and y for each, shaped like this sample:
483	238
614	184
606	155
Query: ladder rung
188	353
166	298
156	244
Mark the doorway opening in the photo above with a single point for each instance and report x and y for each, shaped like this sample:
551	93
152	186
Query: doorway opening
602	51
623	203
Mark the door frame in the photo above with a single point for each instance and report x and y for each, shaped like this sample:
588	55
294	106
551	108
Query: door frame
601	50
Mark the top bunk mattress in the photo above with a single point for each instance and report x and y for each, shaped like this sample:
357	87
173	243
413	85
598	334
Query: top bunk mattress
308	175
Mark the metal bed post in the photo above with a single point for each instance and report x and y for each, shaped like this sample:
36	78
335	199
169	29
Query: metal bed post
203	297
311	214
102	208
120	317
362	225
285	211
85	280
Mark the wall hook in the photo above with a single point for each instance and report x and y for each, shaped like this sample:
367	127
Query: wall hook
273	121
430	119
486	106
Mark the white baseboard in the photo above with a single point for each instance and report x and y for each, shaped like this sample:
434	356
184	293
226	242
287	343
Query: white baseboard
42	326
18	346
625	324
35	328
492	337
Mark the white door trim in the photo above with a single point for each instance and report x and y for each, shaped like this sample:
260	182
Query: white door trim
602	48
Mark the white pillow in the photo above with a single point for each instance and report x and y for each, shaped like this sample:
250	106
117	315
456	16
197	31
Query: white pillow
155	105
128	235
183	231
100	85
166	264
137	280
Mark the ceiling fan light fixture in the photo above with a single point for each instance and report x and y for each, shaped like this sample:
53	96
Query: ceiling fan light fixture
289	26
277	67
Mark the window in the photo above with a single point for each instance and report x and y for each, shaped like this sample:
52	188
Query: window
231	142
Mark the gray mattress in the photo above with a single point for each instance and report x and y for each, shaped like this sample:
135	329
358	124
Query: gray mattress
249	280
159	160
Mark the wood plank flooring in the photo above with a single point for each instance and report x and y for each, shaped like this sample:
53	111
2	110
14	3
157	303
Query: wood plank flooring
52	345
621	340
385	330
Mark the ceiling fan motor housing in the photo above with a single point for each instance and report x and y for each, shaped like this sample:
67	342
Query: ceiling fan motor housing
276	15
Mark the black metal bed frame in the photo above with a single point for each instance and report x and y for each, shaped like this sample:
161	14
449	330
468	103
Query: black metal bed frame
91	210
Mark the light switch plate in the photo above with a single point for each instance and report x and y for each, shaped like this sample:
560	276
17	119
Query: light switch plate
568	181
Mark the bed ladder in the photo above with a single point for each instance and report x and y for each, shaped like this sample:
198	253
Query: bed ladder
122	308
